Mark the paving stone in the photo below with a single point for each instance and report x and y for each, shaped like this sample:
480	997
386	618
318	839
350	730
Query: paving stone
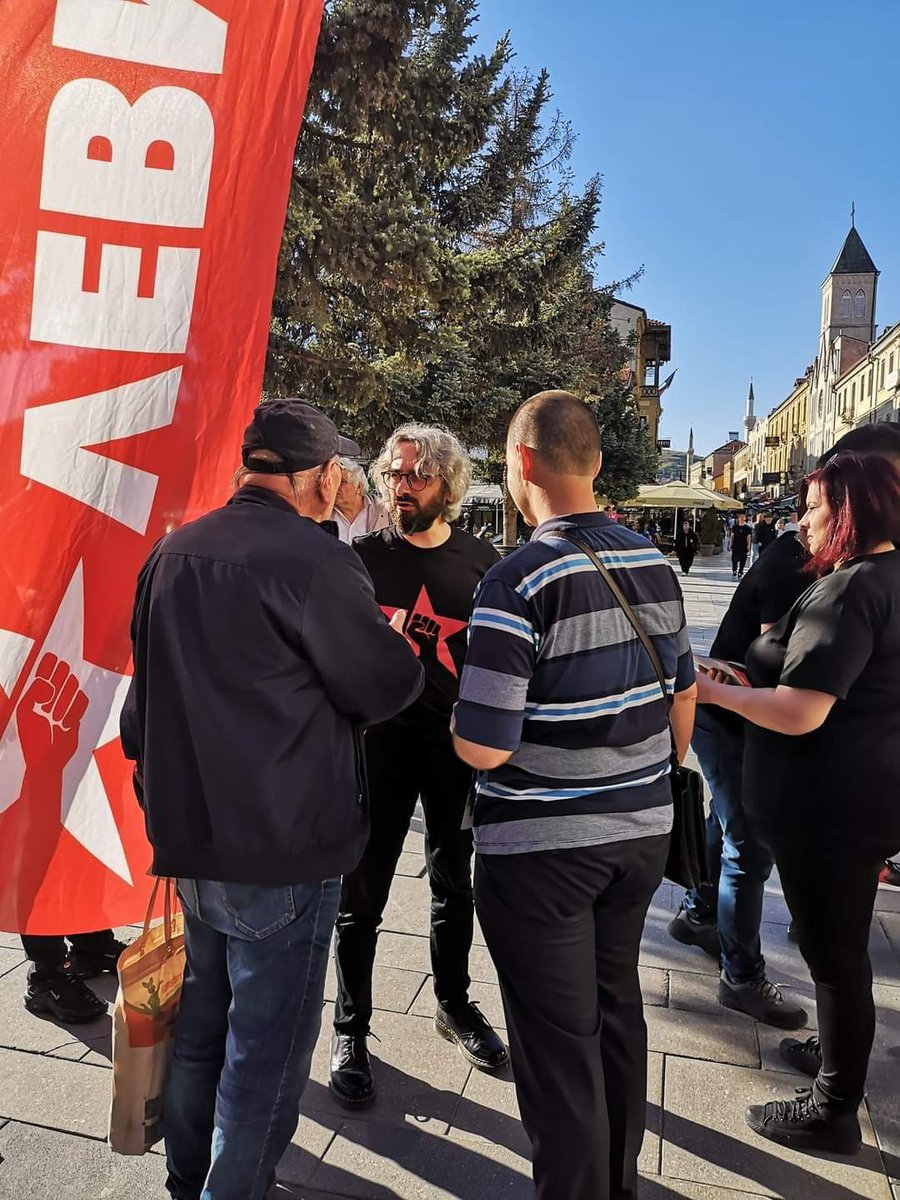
10	958
890	923
40	1090
679	1189
414	843
390	1163
412	952
487	995
705	1140
721	1037
73	1168
411	865
699	993
419	1075
11	941
312	1137
489	1111
21	1030
769	1041
660	950
393	989
654	986
885	957
883	1097
409	907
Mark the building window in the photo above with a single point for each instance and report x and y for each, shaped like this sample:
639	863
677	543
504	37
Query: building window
881	377
891	364
846	305
860	303
871	380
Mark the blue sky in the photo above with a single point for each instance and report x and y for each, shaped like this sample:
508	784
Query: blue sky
732	139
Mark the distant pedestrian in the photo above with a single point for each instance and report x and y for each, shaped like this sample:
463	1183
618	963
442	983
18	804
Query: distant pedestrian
686	546
356	513
740	544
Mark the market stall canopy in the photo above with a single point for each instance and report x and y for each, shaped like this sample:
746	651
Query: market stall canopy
681	495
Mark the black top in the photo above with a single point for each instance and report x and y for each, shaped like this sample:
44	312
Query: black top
842	637
741	535
764	534
687	542
437	588
258	651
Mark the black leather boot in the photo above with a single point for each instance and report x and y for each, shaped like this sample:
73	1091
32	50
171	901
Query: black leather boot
351	1081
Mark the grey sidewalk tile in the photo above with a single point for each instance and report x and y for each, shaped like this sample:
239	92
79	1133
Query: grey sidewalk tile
699	993
883	1098
681	1189
885	957
418	1074
10	941
399	1162
10	958
705	1139
412	952
660	950
654	986
393	989
312	1137
20	1030
769	1041
722	1037
41	1090
489	1111
73	1168
409	909
411	865
414	843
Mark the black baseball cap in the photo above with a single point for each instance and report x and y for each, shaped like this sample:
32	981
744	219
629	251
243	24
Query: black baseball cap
295	430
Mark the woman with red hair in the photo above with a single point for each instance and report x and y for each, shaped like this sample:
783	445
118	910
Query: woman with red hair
822	778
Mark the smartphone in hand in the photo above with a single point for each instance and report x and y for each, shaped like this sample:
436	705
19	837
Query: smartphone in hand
733	674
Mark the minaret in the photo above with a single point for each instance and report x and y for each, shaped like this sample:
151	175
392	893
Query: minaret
689	461
750	418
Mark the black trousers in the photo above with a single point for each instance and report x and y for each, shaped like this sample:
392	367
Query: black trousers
738	561
48	953
564	929
830	890
685	560
403	763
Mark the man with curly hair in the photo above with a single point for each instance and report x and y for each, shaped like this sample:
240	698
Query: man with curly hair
427	569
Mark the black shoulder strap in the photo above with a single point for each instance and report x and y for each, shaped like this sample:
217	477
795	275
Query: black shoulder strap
624	605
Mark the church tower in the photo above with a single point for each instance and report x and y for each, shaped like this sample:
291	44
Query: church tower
848	294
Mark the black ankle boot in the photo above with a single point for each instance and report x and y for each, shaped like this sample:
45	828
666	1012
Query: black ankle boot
352	1082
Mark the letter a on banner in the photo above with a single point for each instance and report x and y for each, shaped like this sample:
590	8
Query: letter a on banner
147	152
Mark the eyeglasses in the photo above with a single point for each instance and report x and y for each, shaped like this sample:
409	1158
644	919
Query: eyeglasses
414	481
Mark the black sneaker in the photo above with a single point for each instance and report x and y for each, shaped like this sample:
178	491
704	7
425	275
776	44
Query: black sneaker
763	1001
86	964
704	934
804	1124
803	1056
351	1081
61	994
470	1029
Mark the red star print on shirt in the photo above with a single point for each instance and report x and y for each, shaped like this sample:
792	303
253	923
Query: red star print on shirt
424	623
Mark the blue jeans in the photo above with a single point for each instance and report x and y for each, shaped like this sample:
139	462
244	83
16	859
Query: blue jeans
250	1015
741	863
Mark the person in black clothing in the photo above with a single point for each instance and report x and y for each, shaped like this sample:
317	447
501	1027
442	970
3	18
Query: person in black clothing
740	546
259	653
723	918
764	533
59	966
821	776
425	570
686	546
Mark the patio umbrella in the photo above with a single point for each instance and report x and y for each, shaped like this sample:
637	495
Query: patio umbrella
681	495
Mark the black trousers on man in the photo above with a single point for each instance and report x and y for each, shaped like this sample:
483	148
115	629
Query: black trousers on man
738	559
830	889
47	952
405	761
564	929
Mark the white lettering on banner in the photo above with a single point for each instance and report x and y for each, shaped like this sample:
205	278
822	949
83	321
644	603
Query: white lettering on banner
163	33
147	162
56	446
114	317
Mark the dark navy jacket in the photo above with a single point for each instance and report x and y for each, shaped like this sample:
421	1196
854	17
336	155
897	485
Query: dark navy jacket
259	652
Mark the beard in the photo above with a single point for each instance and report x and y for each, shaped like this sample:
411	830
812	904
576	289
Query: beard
418	517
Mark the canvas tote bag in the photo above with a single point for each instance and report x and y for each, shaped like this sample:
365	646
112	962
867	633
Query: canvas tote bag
151	972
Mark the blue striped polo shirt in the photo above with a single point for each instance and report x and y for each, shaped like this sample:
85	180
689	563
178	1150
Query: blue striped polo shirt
555	673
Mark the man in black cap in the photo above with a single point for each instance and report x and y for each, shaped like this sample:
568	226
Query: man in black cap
259	655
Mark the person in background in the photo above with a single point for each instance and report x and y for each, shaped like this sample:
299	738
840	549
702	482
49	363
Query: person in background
729	526
259	654
356	513
686	546
822	775
561	712
55	986
779	526
611	513
427	569
740	545
764	534
723	918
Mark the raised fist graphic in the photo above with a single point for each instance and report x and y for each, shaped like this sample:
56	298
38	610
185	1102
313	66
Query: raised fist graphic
49	717
424	632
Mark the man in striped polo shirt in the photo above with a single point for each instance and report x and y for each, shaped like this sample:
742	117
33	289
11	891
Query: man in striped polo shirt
561	711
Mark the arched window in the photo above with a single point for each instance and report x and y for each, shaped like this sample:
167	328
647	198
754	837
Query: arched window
860	303
846	305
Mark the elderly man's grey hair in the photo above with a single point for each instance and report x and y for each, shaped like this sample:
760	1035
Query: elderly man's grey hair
437	452
353	473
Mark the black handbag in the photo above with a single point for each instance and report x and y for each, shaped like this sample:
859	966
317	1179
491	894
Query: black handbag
688	861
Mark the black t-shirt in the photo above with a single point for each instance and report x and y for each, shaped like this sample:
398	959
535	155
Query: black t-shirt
763	596
842	637
764	534
740	539
437	588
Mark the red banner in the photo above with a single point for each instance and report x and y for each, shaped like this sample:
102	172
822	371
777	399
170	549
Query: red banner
146	149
